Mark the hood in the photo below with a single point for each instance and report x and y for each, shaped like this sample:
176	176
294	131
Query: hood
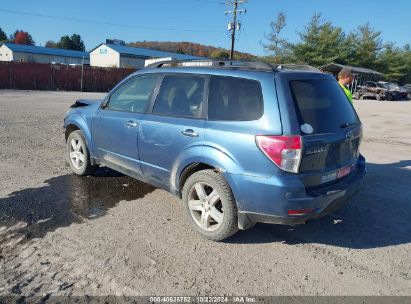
85	102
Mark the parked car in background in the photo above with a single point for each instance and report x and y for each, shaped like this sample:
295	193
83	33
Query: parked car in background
239	142
407	88
380	91
373	90
394	91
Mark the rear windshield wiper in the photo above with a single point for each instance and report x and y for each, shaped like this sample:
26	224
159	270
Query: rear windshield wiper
347	125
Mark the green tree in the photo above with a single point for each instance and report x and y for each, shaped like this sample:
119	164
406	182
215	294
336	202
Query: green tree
321	43
392	62
276	46
51	44
65	43
71	43
219	54
3	36
78	43
407	56
367	44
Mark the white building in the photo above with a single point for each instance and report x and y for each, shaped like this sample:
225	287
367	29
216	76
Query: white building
38	54
121	56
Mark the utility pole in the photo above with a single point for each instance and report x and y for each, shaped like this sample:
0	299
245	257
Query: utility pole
234	25
82	71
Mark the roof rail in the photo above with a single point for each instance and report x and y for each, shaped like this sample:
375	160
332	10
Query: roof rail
240	64
297	67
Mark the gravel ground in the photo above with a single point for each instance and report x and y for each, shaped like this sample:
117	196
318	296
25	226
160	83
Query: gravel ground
110	234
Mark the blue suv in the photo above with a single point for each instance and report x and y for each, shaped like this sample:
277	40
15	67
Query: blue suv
240	142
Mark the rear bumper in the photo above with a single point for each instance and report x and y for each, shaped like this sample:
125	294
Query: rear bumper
267	203
247	219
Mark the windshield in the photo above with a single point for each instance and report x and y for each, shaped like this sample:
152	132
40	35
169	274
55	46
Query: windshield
322	104
393	86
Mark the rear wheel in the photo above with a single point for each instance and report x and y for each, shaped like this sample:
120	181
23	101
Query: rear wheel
210	206
79	157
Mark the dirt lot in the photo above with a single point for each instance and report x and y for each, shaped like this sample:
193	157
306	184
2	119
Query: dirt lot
109	234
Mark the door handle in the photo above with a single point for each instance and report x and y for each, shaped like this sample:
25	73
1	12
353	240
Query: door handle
131	124
189	133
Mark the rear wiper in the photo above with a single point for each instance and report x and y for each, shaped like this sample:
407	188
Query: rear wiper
346	125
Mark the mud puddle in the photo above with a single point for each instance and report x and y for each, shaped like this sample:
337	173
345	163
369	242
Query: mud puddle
66	199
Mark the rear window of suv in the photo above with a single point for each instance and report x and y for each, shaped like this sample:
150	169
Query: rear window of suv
234	99
323	105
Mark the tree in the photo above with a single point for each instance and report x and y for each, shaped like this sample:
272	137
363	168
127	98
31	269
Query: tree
3	36
279	48
21	37
367	45
65	43
219	54
51	44
321	43
71	43
393	62
407	56
78	43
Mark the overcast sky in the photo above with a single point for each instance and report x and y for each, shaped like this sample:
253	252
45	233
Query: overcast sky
201	21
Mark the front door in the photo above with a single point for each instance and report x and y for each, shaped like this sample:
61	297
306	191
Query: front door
115	127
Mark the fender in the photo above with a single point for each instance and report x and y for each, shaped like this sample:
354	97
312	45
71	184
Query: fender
79	121
208	155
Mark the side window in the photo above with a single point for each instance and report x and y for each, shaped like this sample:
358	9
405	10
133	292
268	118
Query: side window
234	99
134	95
180	95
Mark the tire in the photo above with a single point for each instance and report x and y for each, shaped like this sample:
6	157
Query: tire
80	159
204	209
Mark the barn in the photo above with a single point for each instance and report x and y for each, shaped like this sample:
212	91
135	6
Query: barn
122	56
38	54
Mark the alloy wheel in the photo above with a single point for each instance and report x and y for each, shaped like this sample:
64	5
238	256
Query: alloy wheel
77	155
204	203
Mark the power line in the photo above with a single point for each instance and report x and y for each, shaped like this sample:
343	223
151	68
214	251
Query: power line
208	1
108	23
234	25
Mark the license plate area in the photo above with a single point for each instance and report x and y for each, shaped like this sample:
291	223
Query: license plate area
332	176
343	172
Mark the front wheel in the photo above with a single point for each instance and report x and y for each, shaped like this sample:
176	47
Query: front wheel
79	157
210	205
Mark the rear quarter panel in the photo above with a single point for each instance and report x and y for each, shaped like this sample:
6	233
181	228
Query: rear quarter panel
232	143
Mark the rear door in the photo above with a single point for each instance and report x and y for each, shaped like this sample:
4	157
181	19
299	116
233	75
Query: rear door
175	125
319	110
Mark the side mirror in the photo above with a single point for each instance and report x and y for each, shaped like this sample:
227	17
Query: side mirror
104	103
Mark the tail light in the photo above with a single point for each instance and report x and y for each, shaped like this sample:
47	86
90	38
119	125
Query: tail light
284	151
300	212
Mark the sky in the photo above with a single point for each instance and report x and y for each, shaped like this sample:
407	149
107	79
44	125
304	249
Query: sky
199	21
